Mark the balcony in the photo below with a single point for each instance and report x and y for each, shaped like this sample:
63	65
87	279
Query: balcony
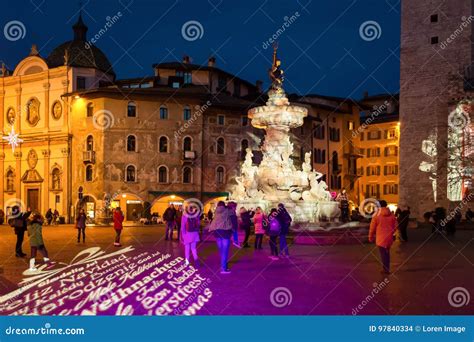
88	157
359	172
354	152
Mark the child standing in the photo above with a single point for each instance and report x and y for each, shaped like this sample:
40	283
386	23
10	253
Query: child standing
35	234
189	237
258	222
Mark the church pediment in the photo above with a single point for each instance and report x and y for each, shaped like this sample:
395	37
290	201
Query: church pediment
31	176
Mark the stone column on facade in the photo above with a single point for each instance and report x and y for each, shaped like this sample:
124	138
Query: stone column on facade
46	177
2	110
65	199
18	175
46	87
67	109
19	110
2	155
2	180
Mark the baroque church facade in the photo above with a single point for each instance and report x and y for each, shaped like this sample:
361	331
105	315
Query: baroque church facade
35	174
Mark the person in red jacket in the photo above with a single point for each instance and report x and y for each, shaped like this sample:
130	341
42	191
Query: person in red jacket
118	219
382	228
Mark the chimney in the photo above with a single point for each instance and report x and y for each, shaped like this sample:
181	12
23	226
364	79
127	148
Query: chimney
259	85
211	62
366	94
186	59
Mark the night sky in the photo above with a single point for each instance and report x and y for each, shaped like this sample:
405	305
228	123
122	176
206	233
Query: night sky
322	50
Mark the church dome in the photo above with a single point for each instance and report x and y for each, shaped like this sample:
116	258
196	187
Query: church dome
79	53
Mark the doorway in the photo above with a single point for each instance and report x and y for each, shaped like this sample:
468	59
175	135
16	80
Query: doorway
32	199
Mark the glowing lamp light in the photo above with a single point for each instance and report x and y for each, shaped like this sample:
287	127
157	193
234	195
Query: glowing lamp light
173	196
124	195
77	97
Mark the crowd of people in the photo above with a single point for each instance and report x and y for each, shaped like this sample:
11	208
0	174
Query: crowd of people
224	224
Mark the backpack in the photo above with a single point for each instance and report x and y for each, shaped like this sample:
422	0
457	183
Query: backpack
274	227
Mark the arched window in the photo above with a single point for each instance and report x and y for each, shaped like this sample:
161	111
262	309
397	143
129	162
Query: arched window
90	110
163	144
244	144
10	178
131	109
162	174
131	173
187	175
187	144
89	173
220	175
131	143
163	113
56	179
220	148
90	143
186	113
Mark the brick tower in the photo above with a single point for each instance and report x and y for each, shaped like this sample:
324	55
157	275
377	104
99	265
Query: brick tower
436	58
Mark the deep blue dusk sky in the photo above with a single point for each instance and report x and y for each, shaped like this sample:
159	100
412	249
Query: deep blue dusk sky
337	61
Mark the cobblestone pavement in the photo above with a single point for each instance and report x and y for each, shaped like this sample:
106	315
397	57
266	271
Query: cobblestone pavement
316	280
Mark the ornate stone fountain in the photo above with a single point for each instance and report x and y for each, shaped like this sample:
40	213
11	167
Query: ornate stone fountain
276	179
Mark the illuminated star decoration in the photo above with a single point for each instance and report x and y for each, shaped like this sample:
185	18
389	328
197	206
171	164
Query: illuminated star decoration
13	139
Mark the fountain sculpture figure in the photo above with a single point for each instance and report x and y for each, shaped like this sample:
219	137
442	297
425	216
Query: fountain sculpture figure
276	179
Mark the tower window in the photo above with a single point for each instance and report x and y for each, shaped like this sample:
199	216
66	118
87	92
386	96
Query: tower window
434	18
434	40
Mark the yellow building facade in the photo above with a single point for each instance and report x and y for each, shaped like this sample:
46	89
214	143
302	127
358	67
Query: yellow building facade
37	173
378	140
